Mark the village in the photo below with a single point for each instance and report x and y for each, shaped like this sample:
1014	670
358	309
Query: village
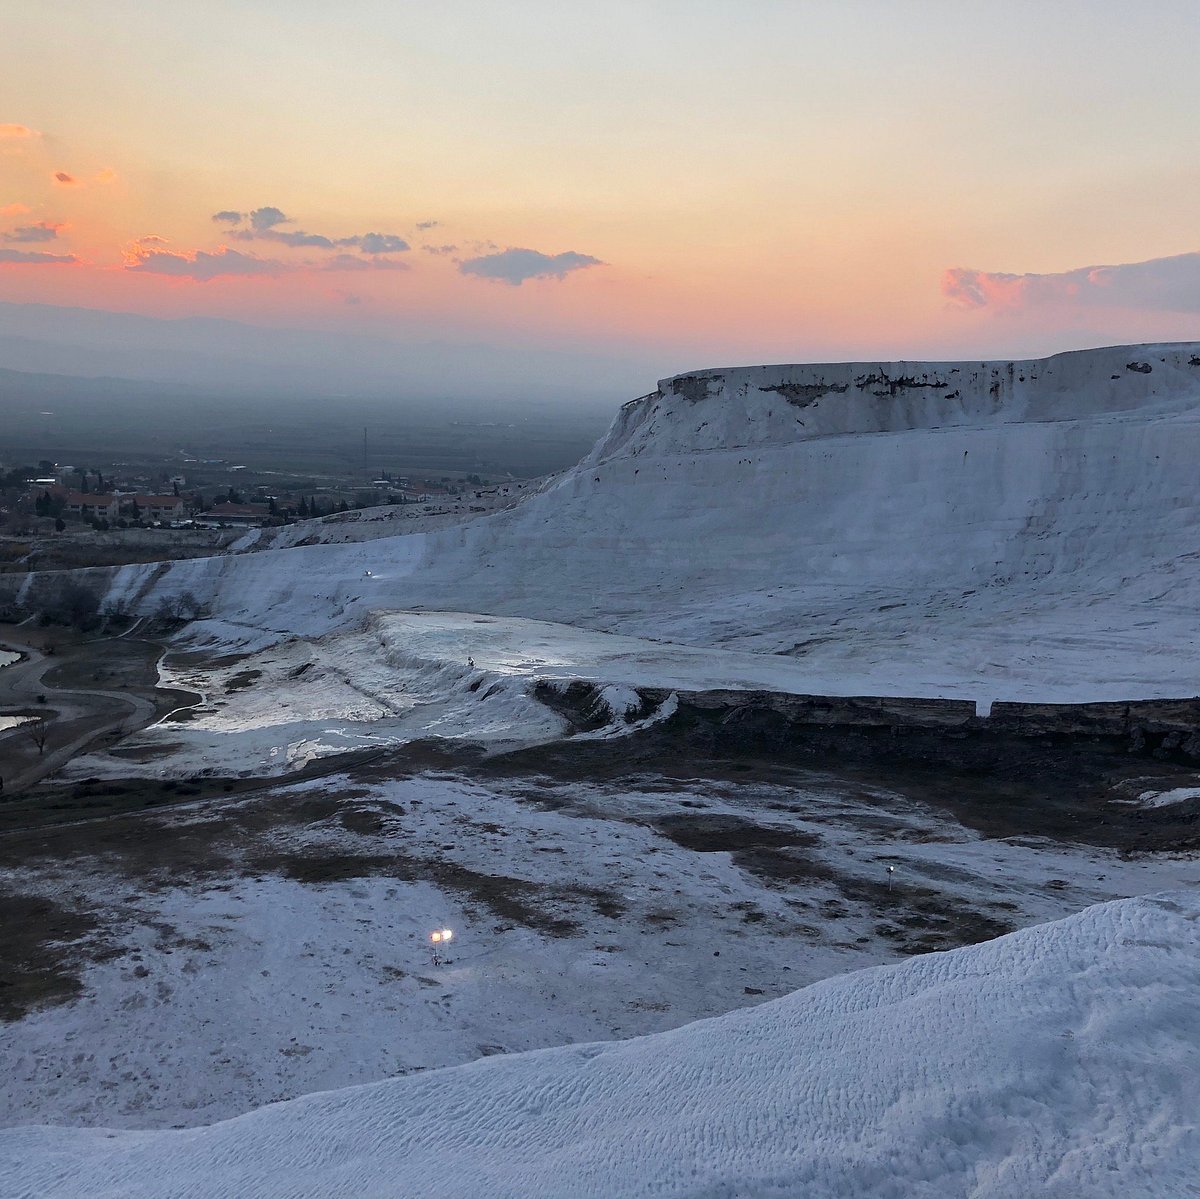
62	516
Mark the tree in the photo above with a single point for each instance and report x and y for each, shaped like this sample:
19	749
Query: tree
175	610
81	606
59	524
83	483
38	730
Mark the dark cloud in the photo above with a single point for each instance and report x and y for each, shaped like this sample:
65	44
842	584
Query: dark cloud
376	243
516	265
42	231
285	237
1157	285
352	262
202	266
423	225
299	238
65	179
36	258
261	226
440	249
262	219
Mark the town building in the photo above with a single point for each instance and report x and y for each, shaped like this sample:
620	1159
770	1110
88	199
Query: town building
85	505
154	508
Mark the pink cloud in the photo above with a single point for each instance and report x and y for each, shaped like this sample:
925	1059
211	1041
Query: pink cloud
34	258
1156	285
17	133
201	265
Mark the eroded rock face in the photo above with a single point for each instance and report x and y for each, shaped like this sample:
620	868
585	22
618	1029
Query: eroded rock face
740	405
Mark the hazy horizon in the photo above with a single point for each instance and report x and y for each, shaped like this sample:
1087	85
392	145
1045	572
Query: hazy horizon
575	203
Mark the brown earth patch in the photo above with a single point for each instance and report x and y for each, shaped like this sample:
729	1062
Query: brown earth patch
43	950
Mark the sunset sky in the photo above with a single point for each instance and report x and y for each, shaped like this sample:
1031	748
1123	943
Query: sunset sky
671	185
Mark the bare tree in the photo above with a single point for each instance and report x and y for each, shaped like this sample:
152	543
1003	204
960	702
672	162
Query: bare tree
38	730
179	609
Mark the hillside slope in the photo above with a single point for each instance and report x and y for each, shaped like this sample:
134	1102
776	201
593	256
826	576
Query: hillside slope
1027	529
1057	1061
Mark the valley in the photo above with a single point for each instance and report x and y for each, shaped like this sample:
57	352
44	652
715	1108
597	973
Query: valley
800	673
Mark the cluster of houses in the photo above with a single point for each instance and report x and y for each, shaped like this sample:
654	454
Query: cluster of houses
110	506
153	509
55	497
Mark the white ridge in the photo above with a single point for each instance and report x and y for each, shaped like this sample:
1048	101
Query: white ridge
1061	1061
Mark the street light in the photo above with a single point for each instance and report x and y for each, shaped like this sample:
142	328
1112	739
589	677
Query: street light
437	939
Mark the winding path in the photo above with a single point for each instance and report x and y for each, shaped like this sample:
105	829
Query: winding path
23	684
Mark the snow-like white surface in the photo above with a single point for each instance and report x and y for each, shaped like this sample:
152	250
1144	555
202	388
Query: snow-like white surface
244	986
387	520
408	676
1167	799
1062	1061
982	531
1027	530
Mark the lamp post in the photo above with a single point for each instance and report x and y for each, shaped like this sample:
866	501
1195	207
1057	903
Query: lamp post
438	940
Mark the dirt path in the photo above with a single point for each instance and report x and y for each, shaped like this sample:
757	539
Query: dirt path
55	680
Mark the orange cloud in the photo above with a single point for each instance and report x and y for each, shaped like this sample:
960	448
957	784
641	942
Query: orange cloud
107	175
17	132
15	210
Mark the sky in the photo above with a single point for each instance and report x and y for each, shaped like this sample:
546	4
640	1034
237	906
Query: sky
606	193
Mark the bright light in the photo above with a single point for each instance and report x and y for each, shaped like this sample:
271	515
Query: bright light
435	937
441	934
447	934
